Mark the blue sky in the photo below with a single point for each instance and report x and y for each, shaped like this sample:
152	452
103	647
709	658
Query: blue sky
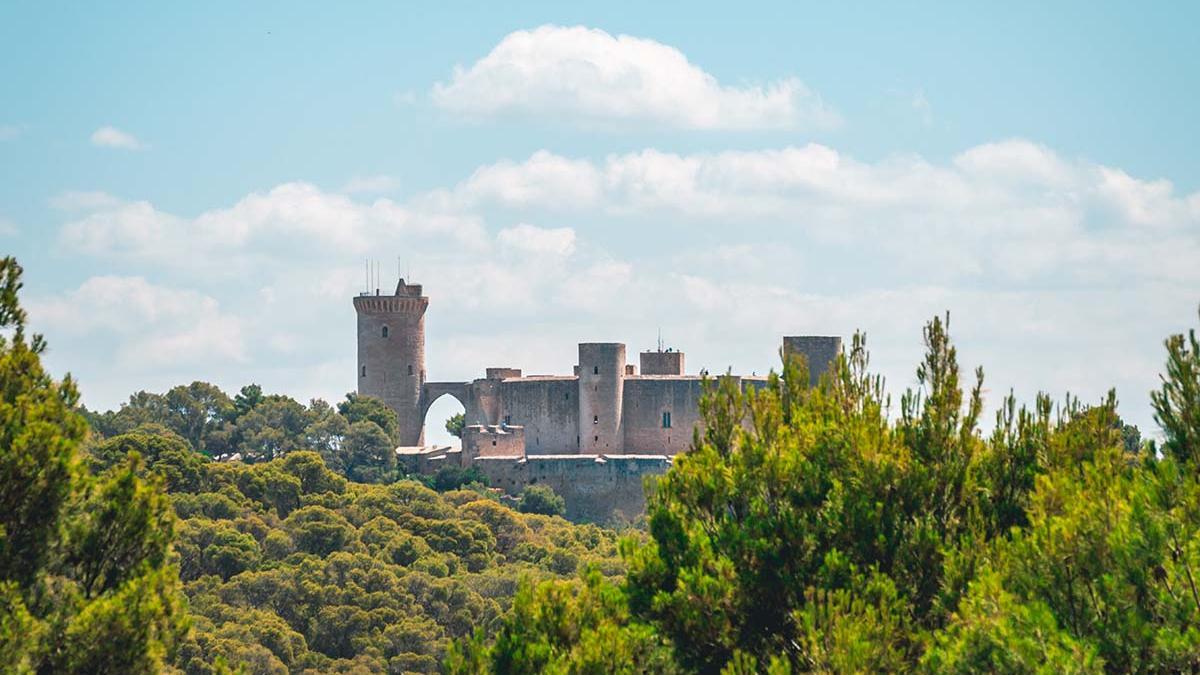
193	189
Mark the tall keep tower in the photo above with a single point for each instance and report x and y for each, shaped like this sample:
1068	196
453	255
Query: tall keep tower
601	394
391	354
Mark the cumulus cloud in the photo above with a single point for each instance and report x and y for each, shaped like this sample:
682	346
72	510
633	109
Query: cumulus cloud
589	76
1011	209
1050	266
157	326
298	221
9	132
112	137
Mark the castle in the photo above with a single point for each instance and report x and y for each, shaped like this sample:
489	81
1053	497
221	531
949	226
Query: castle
590	435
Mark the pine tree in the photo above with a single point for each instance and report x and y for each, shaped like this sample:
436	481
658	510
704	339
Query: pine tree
87	578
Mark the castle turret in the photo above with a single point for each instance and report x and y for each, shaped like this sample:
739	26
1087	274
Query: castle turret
818	352
601	393
391	354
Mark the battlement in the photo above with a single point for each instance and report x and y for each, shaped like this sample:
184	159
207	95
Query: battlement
501	373
660	362
492	440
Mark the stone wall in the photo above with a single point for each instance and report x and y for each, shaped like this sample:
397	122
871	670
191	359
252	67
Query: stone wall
491	441
647	399
596	488
548	409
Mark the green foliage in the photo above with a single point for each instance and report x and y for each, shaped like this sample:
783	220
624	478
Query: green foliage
87	582
807	531
541	499
566	627
453	478
289	567
358	408
1177	402
455	424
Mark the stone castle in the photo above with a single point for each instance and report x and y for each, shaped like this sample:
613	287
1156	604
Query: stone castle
591	435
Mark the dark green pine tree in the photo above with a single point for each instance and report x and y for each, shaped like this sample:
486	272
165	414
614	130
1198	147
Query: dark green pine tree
87	578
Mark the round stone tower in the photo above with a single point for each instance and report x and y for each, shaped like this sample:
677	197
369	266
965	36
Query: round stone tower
601	392
391	354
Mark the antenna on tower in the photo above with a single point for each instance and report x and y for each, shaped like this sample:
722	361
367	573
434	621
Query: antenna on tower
660	338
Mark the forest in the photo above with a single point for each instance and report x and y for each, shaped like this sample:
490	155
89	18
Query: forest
808	529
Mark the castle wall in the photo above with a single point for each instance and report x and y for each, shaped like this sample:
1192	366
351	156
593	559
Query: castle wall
647	398
547	407
601	383
596	488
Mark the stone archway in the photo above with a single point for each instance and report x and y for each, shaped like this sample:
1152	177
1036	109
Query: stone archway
432	391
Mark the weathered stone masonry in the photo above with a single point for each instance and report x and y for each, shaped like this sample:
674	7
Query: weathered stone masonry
591	435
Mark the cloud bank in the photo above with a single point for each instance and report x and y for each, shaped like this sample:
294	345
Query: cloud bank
1060	274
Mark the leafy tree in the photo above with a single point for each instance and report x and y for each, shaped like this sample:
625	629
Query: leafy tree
453	478
369	454
541	499
200	410
566	627
86	583
1177	402
272	428
359	408
246	400
455	424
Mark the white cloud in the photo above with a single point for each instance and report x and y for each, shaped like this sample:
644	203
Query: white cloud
1008	210
545	179
112	137
155	326
558	241
592	77
294	220
10	132
1049	265
8	228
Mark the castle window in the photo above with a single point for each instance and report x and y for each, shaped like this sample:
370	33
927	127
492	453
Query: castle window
410	369
493	442
666	420
364	371
596	439
595	370
507	420
595	419
385	331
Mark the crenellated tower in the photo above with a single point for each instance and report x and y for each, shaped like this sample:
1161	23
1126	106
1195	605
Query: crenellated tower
391	354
